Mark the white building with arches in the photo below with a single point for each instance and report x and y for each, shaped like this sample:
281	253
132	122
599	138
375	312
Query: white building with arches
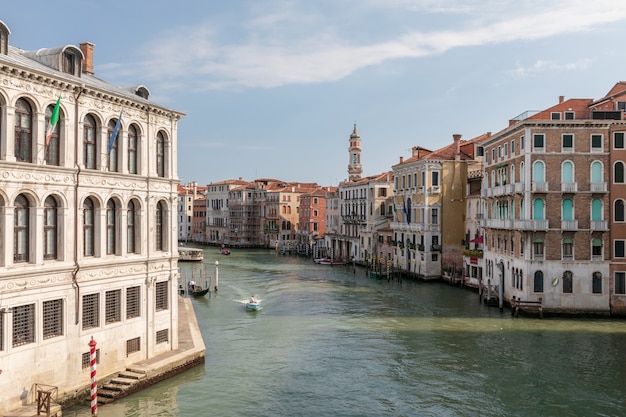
88	243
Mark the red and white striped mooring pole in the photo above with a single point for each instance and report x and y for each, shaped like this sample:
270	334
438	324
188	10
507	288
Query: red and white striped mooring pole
94	383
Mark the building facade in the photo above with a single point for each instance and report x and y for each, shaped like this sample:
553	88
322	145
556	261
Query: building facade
88	242
547	205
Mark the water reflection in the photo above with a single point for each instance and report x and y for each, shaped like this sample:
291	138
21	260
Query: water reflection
333	342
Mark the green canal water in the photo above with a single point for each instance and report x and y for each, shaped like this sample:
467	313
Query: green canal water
332	342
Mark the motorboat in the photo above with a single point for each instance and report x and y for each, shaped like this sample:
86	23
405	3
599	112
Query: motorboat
186	253
225	252
253	305
329	261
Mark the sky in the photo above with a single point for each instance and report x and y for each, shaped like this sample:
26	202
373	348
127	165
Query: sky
273	88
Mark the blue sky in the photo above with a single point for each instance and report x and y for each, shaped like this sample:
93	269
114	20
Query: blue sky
272	88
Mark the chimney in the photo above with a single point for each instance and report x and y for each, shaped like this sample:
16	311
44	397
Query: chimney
401	159
457	146
87	49
561	99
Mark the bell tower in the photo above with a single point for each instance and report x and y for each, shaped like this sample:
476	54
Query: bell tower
354	166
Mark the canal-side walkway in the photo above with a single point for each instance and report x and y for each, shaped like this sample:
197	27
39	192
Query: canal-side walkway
190	353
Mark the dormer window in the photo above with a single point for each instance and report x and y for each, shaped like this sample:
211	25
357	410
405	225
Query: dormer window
69	63
4	39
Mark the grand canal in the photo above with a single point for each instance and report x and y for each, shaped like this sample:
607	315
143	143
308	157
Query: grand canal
332	342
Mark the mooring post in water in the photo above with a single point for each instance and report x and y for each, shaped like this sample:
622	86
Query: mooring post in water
216	274
94	383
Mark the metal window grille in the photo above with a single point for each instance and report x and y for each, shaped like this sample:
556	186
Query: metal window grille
52	318
132	302
23	324
91	311
86	356
161	295
133	345
163	336
113	308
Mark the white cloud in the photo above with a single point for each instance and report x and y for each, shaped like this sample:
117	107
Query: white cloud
547	65
308	49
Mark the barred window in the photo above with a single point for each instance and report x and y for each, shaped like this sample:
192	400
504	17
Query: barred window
91	311
133	345
86	361
161	295
133	302
113	307
23	325
52	318
163	336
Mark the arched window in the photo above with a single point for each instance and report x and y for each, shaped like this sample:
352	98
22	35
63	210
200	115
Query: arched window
538	209
618	172
23	131
596	283
539	172
522	174
160	218
111	226
596	209
596	172
21	229
130	227
538	282
52	140
512	174
88	227
89	142
567	172
112	145
568	282
50	229
618	210
132	149
160	154
567	209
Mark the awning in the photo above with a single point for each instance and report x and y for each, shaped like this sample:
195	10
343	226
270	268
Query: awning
479	239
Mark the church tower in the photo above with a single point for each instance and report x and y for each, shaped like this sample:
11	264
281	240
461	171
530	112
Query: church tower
354	166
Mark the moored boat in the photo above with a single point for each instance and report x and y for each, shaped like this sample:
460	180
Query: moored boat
190	254
329	261
196	289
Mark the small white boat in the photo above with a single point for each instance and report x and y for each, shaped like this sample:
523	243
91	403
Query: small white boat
253	306
190	254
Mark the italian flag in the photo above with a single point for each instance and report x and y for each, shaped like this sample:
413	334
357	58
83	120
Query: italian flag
54	119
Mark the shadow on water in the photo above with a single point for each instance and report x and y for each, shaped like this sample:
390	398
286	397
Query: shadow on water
332	342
